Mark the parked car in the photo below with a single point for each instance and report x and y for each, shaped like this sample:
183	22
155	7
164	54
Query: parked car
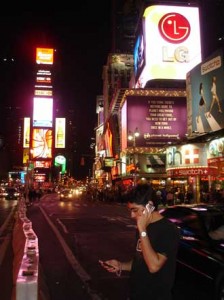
11	193
199	252
66	194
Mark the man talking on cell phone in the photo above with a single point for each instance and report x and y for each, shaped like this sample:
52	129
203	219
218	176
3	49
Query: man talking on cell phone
152	269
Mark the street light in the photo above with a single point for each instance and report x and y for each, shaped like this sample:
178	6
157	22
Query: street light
132	137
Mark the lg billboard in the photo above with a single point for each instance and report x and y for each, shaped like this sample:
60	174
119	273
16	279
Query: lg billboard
168	44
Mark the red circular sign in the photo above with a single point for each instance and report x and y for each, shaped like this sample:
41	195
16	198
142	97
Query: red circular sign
174	28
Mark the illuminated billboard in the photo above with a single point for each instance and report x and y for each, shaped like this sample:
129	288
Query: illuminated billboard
60	133
42	112
205	95
45	56
139	55
46	93
26	133
188	160
26	155
43	79
170	45
160	119
41	143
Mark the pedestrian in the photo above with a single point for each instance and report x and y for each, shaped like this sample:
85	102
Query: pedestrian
152	269
215	98
202	102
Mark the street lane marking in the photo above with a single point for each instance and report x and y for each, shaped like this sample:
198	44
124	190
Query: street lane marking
84	276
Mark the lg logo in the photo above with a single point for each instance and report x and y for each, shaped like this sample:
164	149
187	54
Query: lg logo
174	28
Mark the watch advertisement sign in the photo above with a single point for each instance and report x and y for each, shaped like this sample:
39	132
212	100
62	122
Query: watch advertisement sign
205	95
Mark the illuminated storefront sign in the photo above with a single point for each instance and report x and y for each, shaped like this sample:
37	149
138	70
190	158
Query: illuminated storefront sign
185	172
189	160
216	148
215	154
170	45
186	156
44	56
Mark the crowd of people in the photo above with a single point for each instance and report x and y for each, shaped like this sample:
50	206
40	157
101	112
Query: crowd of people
166	196
31	195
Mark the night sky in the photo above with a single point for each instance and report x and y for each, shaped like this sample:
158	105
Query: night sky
82	37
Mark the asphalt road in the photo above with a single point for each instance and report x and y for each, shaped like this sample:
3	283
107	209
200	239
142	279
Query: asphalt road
73	236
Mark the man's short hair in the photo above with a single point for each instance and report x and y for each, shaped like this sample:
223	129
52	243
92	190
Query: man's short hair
141	194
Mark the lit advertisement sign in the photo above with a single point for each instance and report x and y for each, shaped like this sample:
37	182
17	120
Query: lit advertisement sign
216	149
42	112
159	119
172	43
44	56
26	133
26	155
41	143
46	93
43	73
60	160
60	133
42	164
139	55
188	160
43	79
215	155
124	135
205	95
186	156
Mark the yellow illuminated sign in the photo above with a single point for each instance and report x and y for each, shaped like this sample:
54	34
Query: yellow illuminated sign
44	56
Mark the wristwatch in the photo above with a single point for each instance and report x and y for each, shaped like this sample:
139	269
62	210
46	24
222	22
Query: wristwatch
143	234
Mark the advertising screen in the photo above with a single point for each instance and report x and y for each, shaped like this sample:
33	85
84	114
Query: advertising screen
60	133
41	143
160	120
43	79
42	112
139	55
172	42
124	135
45	56
26	133
205	95
46	93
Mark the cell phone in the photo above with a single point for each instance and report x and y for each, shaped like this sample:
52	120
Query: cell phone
105	263
149	207
108	265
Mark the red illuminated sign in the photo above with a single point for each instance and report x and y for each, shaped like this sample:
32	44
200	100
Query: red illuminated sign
185	172
174	28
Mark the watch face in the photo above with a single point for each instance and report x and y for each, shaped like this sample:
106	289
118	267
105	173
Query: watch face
143	234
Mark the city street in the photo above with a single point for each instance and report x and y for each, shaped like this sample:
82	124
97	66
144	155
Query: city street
73	236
